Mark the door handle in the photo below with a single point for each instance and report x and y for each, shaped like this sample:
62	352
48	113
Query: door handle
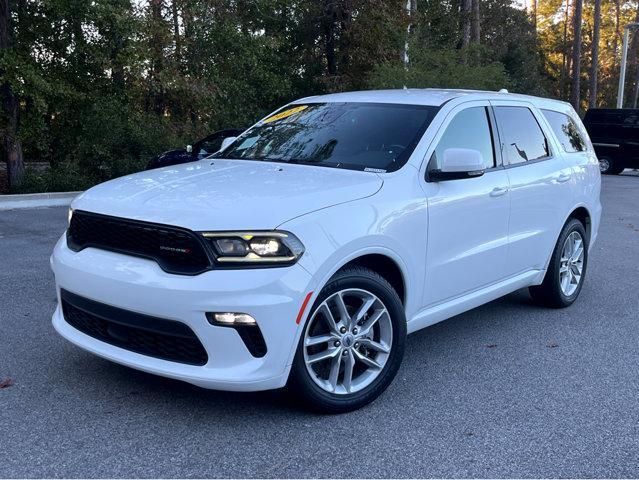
499	191
564	177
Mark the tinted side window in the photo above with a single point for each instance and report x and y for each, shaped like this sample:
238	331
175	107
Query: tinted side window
209	146
614	118
566	130
521	136
593	116
631	119
468	129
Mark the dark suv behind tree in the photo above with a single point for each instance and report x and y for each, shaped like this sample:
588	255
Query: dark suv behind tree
615	136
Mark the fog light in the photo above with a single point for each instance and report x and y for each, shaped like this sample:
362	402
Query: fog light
231	319
246	327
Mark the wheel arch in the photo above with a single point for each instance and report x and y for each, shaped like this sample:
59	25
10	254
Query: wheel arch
380	259
582	214
384	266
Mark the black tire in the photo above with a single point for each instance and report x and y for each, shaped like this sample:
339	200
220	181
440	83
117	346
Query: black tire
300	381
616	169
613	167
550	293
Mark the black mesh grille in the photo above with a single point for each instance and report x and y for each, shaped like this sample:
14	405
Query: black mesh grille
253	339
156	337
176	250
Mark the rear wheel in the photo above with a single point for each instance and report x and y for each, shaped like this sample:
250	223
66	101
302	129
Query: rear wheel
567	269
609	167
352	344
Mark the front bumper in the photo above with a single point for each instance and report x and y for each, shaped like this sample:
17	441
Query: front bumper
273	296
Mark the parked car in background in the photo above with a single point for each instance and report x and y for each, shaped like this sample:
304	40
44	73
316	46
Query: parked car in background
615	136
197	151
306	250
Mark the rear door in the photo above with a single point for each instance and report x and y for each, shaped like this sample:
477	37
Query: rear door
540	193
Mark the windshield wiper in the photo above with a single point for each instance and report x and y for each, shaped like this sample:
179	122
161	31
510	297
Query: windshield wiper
278	160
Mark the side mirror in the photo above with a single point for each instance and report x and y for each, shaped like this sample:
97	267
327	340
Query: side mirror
189	149
459	163
226	142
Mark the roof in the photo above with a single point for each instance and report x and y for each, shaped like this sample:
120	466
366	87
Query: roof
419	96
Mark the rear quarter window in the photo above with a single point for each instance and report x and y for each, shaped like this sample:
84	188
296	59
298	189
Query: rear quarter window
566	130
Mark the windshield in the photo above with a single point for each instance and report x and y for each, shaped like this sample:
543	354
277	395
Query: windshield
361	136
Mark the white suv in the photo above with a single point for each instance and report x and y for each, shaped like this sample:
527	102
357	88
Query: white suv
307	249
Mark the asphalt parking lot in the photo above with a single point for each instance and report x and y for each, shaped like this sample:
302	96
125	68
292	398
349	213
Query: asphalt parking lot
506	390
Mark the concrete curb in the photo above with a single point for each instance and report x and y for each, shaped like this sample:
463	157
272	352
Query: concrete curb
34	200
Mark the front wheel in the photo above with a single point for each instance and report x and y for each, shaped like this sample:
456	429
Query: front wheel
567	269
352	344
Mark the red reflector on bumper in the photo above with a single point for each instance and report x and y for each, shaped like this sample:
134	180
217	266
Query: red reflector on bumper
301	312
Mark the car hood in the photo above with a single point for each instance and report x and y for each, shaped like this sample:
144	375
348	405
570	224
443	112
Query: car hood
218	194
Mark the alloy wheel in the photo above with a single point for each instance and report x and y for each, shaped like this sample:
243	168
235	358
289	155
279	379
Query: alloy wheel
347	341
571	264
604	165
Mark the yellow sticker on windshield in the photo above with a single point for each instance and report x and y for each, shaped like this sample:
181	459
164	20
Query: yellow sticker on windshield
286	113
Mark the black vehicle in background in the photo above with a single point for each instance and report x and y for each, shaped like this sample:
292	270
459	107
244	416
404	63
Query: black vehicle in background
615	136
197	151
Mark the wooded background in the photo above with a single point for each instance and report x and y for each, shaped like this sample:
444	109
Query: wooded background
94	88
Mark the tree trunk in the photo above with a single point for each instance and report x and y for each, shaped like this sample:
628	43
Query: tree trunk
617	38
534	16
328	28
466	7
157	61
79	41
345	20
411	8
176	31
576	56
119	42
594	65
11	145
187	52
475	22
565	66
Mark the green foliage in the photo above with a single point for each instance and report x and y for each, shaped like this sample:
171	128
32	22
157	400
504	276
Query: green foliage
440	69
114	141
105	85
63	178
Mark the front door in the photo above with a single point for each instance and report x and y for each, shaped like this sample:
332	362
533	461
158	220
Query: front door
468	218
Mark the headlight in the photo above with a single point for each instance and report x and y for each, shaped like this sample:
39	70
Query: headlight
255	248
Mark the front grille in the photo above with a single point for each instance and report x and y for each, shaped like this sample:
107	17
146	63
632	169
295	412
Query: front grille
176	250
155	337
